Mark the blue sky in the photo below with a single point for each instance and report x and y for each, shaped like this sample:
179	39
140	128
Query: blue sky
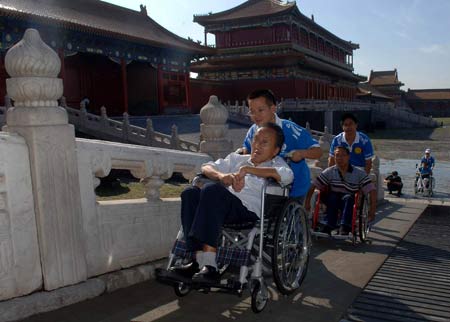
410	35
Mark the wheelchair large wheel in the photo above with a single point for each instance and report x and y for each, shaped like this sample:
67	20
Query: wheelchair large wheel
291	247
363	218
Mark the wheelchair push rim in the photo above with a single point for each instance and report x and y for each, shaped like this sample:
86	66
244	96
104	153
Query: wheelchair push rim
363	218
291	248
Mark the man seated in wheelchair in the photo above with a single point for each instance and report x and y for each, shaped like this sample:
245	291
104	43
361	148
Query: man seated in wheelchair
340	183
425	172
234	198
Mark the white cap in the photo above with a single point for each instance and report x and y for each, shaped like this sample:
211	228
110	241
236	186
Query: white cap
427	151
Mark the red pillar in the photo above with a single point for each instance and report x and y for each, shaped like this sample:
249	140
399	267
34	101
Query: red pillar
123	64
188	91
160	90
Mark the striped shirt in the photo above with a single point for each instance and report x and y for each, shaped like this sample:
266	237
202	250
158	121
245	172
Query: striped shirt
351	182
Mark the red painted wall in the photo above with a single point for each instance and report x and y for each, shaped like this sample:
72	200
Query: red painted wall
96	77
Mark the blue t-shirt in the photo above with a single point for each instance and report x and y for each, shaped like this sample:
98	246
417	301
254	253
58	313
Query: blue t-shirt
430	164
295	138
360	151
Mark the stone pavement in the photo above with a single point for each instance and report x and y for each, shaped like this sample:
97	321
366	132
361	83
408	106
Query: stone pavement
337	273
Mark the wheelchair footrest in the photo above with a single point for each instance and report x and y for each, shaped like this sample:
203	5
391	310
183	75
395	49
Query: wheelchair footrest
170	278
225	255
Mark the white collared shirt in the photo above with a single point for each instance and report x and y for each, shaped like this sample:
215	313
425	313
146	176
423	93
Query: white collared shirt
250	195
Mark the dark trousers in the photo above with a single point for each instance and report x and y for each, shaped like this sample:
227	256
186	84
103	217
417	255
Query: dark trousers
205	210
339	201
395	186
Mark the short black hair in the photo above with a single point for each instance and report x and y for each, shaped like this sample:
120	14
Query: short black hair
348	116
266	93
343	147
279	135
394	173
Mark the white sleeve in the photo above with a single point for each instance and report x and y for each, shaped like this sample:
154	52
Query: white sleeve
221	165
284	171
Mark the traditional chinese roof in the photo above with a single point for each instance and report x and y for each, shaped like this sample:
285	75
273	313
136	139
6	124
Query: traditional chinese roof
249	9
384	78
100	18
366	90
428	94
252	9
277	60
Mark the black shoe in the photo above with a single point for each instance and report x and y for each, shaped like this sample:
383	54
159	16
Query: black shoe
399	194
390	192
186	270
344	230
207	275
325	230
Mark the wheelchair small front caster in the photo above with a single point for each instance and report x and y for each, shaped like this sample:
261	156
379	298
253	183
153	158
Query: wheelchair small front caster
259	298
181	289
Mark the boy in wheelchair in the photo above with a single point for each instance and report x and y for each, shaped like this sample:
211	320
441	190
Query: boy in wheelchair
235	198
341	182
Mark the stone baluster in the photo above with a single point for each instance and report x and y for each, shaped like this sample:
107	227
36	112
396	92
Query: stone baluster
308	127
149	133
125	127
63	101
174	139
377	177
325	143
155	171
8	102
103	118
213	129
36	116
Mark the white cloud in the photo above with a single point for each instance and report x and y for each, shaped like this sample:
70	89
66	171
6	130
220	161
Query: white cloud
434	49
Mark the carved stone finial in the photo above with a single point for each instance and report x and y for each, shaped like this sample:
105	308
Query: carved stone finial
33	67
214	128
31	57
213	112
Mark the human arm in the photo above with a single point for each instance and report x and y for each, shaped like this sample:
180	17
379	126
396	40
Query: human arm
368	165
310	153
214	174
308	197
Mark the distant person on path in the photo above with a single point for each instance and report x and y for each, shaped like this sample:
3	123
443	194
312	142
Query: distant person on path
428	160
361	150
299	144
394	183
426	167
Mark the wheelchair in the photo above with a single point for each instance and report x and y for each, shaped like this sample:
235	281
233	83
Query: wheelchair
360	226
424	184
278	243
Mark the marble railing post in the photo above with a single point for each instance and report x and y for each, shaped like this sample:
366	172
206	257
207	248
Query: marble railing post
377	179
35	89
214	116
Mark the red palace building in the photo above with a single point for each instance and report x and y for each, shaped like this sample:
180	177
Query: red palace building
271	44
116	57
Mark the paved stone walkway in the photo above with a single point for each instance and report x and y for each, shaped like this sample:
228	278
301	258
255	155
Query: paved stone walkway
338	271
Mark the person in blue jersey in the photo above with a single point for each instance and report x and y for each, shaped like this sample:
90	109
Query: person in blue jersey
299	144
428	160
340	182
426	167
361	150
